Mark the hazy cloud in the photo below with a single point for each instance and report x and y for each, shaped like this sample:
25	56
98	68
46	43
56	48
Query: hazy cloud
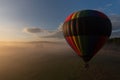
42	33
60	27
55	34
33	30
106	7
115	19
109	5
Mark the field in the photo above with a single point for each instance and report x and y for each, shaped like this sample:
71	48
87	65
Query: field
56	61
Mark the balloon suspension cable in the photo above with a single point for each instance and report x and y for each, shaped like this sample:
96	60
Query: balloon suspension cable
86	65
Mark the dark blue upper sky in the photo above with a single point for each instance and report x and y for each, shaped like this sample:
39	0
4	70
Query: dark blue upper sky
50	13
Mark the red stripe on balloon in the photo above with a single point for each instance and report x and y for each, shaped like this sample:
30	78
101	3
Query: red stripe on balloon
69	17
72	44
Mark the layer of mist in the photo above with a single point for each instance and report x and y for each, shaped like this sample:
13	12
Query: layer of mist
56	61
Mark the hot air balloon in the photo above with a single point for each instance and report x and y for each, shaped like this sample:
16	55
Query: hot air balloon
86	32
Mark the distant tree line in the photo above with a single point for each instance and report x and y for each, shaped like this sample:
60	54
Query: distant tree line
114	41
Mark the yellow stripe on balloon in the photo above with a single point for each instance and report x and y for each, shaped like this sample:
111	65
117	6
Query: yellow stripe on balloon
74	39
74	15
77	15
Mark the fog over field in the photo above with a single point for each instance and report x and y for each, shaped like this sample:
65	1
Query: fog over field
56	61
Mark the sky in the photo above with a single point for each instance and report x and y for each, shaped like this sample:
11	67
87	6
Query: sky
29	20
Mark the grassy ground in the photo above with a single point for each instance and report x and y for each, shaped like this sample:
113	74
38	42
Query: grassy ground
57	62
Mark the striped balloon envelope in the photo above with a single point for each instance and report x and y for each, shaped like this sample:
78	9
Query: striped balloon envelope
86	32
